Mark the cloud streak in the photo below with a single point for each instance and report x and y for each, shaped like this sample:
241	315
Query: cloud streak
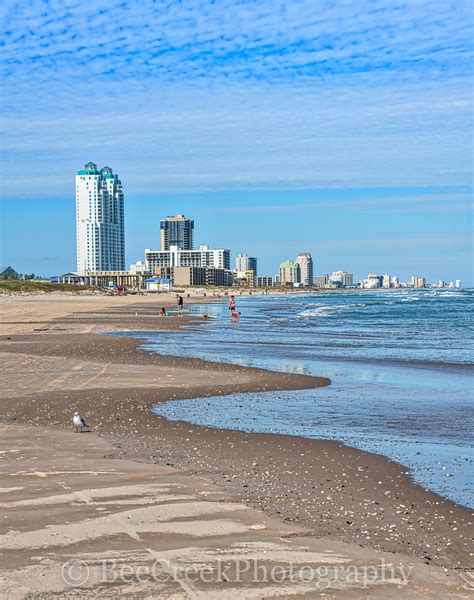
204	96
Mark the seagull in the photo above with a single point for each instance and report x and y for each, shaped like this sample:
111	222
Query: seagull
78	421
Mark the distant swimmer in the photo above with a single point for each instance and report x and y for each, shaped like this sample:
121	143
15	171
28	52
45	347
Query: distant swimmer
234	316
232	303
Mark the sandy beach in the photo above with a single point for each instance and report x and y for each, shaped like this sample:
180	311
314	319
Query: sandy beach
277	499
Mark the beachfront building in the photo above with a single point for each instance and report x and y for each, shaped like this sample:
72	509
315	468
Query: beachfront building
264	281
386	281
100	233
194	276
305	262
394	281
457	284
321	280
418	282
243	263
343	277
244	278
176	231
290	273
372	281
157	260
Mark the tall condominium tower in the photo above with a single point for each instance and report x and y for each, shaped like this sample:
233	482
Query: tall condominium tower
246	263
99	220
176	231
305	262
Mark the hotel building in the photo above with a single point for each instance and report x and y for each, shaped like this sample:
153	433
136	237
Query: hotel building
418	282
342	276
321	280
289	272
176	231
264	281
100	233
305	263
176	257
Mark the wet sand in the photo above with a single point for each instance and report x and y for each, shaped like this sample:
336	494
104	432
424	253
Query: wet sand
333	492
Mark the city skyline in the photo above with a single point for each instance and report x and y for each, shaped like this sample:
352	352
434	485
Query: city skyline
280	127
271	265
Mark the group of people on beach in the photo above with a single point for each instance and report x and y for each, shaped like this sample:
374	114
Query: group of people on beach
234	315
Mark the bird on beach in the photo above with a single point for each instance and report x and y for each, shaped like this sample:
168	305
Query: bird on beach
78	422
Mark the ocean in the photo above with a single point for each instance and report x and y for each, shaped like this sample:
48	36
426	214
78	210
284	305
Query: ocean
400	362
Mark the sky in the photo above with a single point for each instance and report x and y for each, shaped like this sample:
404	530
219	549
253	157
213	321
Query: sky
343	128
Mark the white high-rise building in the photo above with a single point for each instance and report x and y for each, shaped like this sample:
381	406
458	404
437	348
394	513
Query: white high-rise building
218	258
305	262
99	220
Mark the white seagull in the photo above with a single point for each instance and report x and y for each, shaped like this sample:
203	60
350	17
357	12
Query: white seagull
78	421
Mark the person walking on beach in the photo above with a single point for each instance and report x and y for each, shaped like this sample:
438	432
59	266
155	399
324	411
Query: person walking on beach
180	305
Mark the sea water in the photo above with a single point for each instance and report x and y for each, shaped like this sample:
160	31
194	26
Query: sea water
400	364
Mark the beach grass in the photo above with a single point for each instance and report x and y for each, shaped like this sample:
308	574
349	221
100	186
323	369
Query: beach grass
19	286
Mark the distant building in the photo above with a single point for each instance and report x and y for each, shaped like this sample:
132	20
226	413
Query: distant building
457	284
289	272
372	281
245	278
138	268
321	280
418	282
394	282
175	257
197	276
246	263
386	281
264	281
176	231
7	272
70	278
100	232
342	276
305	262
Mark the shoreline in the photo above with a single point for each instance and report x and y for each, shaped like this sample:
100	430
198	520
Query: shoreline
351	504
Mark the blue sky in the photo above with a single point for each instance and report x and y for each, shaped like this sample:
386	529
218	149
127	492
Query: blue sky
339	128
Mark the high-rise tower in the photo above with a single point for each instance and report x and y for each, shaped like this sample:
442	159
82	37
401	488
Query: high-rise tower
305	262
99	220
176	231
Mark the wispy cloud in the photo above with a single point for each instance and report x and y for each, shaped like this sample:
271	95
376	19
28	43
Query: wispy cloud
450	200
193	95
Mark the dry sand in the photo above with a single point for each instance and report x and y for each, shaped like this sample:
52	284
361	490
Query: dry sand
281	499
